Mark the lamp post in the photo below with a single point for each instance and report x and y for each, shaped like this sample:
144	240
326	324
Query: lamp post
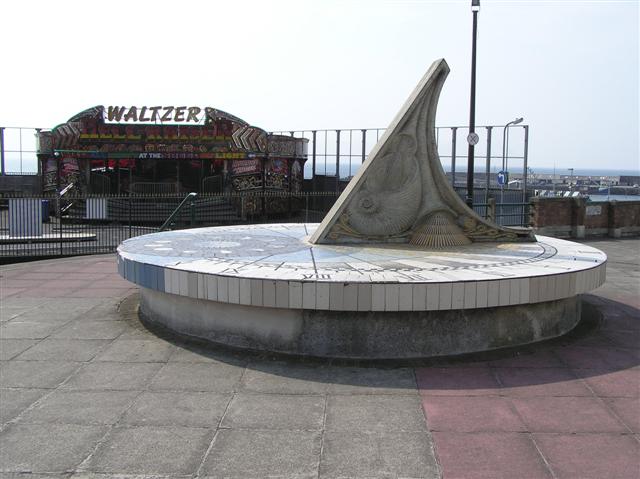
472	139
505	162
570	179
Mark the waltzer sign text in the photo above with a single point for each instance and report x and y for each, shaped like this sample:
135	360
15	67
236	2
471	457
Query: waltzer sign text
156	114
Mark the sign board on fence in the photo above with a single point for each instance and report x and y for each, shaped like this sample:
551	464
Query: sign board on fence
594	210
503	178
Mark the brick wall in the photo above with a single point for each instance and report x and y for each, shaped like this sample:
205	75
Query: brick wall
576	218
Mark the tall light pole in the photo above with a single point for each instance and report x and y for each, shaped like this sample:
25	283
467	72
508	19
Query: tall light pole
571	179
472	139
505	159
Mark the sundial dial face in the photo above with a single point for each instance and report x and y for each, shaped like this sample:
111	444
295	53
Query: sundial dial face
283	252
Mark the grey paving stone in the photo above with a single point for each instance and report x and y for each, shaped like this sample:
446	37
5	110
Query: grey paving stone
275	411
14	401
191	409
242	454
46	447
375	413
136	350
285	378
9	313
80	407
10	348
150	450
25	303
64	350
379	455
35	374
91	330
21	329
105	311
137	333
215	377
19	475
352	380
118	376
195	354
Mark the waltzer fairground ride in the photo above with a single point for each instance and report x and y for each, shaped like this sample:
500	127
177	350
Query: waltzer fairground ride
399	268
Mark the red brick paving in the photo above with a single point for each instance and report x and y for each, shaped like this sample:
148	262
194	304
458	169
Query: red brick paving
487	455
586	456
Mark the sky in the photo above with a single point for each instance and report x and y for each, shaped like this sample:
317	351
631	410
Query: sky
570	68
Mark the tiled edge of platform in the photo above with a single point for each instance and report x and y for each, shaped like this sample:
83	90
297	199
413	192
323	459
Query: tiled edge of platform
341	296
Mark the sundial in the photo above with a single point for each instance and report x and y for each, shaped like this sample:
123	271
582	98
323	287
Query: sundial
399	267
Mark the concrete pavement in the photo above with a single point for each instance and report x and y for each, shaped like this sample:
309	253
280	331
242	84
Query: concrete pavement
88	392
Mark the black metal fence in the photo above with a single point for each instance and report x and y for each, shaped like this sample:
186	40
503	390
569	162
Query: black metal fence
37	226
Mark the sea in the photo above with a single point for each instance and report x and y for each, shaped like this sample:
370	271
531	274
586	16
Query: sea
546	170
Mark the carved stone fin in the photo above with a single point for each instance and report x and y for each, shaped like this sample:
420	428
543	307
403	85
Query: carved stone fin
401	193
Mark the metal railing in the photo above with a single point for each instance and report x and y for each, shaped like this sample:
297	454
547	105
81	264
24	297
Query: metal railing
76	223
190	198
341	152
332	152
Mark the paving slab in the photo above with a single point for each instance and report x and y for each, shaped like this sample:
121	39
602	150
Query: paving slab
81	329
354	380
80	407
220	377
185	408
80	350
591	456
281	377
10	348
379	454
366	413
22	329
490	455
567	414
275	411
113	376
241	454
137	351
519	382
150	450
36	374
46	447
471	414
15	401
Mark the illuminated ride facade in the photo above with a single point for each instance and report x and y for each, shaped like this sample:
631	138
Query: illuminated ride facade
142	151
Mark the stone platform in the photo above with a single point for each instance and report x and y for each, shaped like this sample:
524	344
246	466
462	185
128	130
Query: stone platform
87	392
267	287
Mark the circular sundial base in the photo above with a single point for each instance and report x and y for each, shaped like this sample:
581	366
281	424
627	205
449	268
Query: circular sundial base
360	335
265	287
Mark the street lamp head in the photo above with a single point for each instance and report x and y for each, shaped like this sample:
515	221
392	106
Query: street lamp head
475	5
517	120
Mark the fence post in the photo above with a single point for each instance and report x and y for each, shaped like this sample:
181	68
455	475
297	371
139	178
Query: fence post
2	172
306	208
59	208
488	165
337	161
314	135
525	162
454	135
192	208
491	209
